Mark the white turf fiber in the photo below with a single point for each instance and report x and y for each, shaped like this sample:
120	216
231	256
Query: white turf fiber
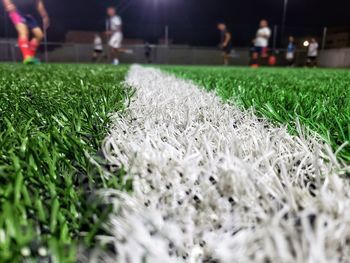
215	184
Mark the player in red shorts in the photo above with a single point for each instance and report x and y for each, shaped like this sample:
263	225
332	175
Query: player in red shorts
26	24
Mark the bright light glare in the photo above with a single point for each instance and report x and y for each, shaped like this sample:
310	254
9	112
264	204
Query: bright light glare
306	43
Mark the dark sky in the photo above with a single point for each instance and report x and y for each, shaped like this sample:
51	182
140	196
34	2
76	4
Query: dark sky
193	21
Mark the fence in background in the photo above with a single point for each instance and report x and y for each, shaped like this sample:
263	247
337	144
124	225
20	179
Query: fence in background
160	54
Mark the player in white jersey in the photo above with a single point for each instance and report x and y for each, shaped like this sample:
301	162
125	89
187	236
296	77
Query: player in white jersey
312	53
98	48
261	42
114	32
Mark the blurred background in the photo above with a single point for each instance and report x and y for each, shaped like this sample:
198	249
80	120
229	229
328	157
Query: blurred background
184	31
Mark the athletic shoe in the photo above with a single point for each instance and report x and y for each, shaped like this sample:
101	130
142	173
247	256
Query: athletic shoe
254	66
36	61
115	62
29	61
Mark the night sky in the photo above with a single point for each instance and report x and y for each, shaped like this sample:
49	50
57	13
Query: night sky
193	21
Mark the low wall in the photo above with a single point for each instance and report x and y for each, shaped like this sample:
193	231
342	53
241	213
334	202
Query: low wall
174	55
335	58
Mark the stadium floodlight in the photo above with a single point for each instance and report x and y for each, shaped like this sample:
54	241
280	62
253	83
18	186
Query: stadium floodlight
306	43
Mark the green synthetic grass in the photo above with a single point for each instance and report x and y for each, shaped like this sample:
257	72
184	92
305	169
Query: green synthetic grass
51	118
319	98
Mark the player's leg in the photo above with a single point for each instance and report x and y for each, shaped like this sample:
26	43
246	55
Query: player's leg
315	62
292	62
111	45
94	56
255	58
38	34
226	58
34	43
99	55
115	44
115	54
23	41
227	55
264	53
22	30
308	61
290	59
264	56
19	23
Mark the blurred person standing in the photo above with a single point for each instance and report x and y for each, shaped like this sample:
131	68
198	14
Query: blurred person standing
114	32
312	53
291	51
98	48
148	52
225	42
261	43
25	23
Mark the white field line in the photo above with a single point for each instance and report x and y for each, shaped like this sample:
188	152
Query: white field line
215	184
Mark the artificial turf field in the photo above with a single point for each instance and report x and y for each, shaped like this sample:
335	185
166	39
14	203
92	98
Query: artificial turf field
318	98
54	118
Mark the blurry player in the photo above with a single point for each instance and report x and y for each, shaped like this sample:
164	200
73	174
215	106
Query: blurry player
26	23
98	48
312	53
225	42
148	52
291	49
261	42
114	32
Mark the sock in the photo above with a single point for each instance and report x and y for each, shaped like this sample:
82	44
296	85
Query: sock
33	46
24	46
15	17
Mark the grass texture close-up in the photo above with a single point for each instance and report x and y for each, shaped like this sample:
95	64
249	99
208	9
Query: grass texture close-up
52	120
318	98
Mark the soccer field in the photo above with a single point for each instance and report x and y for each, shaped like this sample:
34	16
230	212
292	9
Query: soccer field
318	98
132	164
